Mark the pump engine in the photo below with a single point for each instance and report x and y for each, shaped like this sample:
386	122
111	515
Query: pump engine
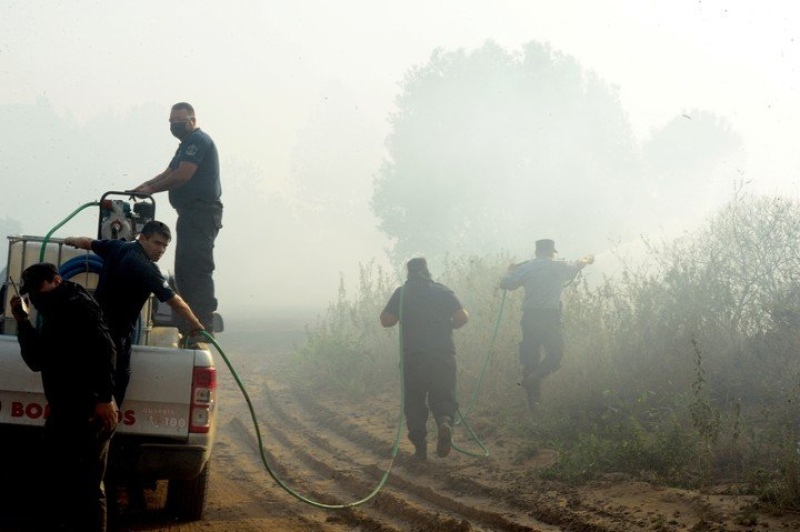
123	219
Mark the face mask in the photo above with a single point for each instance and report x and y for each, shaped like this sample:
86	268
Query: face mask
40	300
178	129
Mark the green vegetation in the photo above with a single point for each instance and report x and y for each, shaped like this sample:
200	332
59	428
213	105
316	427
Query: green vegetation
683	371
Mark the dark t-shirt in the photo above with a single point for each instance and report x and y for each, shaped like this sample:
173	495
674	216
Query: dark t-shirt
127	280
427	309
199	149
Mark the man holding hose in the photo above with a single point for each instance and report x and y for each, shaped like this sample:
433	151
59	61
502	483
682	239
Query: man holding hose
429	312
128	277
543	279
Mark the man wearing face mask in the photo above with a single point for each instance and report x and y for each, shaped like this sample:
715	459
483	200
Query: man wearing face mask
78	383
192	179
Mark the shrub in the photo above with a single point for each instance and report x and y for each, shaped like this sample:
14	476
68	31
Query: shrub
685	369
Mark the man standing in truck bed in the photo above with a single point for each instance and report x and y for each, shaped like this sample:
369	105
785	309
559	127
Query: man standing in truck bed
73	351
192	179
128	277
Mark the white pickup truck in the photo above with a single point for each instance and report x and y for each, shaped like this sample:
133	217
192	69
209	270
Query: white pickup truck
168	419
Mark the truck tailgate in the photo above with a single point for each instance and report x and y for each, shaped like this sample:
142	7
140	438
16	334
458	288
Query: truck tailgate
157	401
160	392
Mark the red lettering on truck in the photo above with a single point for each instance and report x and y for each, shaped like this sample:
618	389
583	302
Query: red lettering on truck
30	410
127	417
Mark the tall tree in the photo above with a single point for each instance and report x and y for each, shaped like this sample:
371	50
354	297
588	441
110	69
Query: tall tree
694	160
491	150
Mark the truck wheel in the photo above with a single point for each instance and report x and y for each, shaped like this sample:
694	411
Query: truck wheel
187	498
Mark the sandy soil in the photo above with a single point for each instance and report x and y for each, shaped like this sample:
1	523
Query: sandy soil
336	453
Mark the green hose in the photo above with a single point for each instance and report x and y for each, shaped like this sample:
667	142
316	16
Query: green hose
462	418
401	417
59	225
47	239
265	461
272	473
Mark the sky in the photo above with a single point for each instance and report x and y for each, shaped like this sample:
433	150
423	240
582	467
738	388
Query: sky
291	88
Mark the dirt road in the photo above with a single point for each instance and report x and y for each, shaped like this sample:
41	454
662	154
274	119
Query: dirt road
335	452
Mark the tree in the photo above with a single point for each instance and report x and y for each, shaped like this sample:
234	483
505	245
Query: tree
694	160
491	150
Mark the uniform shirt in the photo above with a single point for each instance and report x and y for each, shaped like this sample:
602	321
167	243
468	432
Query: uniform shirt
199	149
126	281
427	309
543	279
73	350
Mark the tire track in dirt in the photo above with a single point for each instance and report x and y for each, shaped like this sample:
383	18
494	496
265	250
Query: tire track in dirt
239	499
425	495
385	513
298	476
263	497
490	507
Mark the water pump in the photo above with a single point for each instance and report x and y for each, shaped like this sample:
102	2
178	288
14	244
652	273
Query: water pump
123	219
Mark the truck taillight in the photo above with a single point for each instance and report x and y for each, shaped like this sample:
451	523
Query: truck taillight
204	385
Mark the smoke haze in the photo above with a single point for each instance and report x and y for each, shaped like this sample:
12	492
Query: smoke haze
299	97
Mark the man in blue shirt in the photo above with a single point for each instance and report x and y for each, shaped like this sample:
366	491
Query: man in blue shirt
429	313
128	277
192	179
543	279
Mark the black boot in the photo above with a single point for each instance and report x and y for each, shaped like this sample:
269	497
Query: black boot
421	452
533	388
443	442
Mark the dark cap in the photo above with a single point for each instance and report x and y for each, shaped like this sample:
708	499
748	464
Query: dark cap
418	267
546	246
35	274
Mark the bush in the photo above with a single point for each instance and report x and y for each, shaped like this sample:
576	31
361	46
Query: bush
685	370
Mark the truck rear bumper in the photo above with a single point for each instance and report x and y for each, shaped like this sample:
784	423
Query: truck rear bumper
158	461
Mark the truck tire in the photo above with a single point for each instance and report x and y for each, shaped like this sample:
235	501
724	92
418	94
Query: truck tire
186	498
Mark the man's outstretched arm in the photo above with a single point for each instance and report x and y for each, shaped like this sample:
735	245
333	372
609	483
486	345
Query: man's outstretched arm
459	319
388	319
180	307
80	242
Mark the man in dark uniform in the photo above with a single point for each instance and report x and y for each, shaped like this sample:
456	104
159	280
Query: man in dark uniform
73	351
128	277
192	179
544	279
428	312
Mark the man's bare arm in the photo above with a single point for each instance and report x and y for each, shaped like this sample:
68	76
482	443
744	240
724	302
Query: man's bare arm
180	307
460	318
584	262
388	319
151	182
168	179
80	242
